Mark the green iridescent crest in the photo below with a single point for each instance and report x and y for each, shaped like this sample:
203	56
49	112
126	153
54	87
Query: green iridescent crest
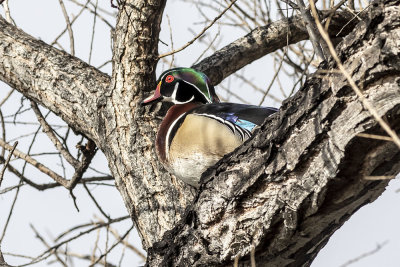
194	78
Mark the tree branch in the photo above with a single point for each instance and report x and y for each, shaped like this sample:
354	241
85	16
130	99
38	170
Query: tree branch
62	83
52	136
262	41
301	177
110	114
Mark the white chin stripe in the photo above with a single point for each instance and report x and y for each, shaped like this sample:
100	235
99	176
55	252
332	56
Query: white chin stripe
177	102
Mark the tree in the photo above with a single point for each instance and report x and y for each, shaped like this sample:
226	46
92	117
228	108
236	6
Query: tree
279	196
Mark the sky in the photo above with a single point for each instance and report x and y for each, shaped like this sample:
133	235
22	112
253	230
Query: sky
52	212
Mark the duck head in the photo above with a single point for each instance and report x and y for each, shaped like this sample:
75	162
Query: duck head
181	86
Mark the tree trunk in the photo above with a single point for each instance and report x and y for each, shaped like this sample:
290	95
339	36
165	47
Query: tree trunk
284	192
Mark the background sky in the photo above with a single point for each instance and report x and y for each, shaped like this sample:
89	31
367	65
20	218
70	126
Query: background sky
52	212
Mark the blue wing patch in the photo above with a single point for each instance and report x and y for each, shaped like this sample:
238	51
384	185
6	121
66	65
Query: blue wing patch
248	125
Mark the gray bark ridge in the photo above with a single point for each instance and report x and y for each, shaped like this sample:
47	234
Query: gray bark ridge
301	177
66	85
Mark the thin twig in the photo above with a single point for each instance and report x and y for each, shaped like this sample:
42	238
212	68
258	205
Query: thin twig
72	22
271	83
91	11
374	136
96	244
50	133
315	37
7	12
105	63
172	42
253	257
7	162
379	177
70	32
96	203
35	163
344	26
88	258
3	131
255	87
10	214
111	248
201	33
236	261
42	187
7	97
353	85
47	245
131	247
9	189
332	13
89	224
207	48
44	254
369	253
93	30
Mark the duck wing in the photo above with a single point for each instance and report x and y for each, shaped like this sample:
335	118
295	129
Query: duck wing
239	118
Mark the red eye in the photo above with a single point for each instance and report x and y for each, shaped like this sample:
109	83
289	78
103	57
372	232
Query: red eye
169	78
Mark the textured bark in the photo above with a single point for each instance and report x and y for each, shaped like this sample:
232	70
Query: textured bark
62	83
283	192
110	114
288	189
153	199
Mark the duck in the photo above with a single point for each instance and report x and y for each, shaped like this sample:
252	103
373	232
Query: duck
199	129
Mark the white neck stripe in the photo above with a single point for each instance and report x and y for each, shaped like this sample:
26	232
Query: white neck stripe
168	134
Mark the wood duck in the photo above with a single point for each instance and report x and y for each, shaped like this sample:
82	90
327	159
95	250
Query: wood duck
198	130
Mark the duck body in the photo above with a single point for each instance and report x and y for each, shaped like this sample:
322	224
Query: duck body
199	130
199	135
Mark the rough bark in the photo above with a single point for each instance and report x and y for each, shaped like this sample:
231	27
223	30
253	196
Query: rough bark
153	199
109	115
62	83
284	192
288	189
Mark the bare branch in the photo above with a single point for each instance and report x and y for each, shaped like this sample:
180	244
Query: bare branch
47	245
95	202
49	251
259	42
7	162
353	85
70	32
303	180
8	13
88	153
77	106
109	24
72	22
131	247
315	37
2	261
364	255
200	33
93	31
35	164
112	247
49	131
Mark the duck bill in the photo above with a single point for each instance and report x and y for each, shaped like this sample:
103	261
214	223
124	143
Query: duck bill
154	98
